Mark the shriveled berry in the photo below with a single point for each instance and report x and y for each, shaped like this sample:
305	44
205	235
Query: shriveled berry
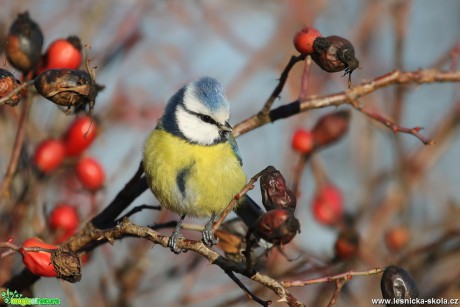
7	84
278	226
275	193
334	53
65	87
24	43
67	265
303	40
330	128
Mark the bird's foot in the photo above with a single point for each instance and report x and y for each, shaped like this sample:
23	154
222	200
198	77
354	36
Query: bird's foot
208	234
172	243
176	236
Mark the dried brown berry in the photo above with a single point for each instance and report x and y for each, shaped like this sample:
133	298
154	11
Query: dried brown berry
8	83
67	265
398	284
277	226
275	193
335	53
65	87
24	43
330	128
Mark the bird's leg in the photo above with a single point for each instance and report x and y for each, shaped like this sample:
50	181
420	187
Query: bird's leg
208	235
176	235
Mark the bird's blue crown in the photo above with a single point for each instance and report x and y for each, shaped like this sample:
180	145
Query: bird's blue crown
210	92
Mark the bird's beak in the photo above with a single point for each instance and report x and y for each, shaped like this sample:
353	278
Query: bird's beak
226	127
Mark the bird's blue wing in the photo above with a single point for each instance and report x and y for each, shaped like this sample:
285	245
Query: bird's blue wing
235	149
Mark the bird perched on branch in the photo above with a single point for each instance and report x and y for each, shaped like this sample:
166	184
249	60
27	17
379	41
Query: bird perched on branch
191	159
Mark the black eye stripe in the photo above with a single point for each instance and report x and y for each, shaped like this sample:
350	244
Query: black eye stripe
206	118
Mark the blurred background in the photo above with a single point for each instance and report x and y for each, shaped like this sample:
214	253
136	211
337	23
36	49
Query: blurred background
145	50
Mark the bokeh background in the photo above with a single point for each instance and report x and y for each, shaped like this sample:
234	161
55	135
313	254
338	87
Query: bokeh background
145	50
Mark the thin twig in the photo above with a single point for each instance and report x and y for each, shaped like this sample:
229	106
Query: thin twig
282	80
249	294
346	275
304	82
395	127
17	148
338	287
249	186
138	209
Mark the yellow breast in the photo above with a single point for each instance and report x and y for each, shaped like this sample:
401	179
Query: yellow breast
191	179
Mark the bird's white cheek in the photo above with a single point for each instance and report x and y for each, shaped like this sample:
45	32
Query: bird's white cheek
195	129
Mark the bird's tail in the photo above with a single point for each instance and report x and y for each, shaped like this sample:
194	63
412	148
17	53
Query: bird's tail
248	210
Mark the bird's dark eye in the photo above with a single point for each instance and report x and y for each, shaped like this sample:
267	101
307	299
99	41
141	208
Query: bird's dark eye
207	119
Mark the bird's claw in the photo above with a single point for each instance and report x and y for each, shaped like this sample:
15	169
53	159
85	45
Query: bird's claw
208	235
172	243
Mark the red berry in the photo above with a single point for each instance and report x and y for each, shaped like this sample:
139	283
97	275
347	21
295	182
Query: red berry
328	205
396	238
302	141
64	220
39	263
90	173
303	40
347	244
64	53
80	135
49	155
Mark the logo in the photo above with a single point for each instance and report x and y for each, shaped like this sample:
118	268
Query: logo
15	298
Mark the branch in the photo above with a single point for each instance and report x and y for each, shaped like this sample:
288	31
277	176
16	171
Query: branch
346	275
420	76
125	228
282	80
17	148
246	290
135	187
338	287
396	128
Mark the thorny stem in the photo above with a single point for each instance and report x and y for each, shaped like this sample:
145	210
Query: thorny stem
282	80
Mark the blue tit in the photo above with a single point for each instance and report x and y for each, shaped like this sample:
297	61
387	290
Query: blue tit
191	159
